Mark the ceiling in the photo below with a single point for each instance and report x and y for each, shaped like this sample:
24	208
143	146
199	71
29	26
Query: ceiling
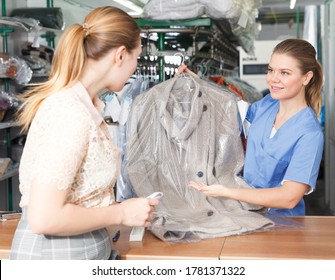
278	11
286	3
135	6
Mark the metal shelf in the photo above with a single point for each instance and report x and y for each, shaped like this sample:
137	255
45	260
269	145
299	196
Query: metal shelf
13	169
4	125
10	173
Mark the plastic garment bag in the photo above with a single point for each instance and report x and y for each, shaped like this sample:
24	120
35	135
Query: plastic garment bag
123	190
189	129
310	32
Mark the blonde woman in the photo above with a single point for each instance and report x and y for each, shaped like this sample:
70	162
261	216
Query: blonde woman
69	165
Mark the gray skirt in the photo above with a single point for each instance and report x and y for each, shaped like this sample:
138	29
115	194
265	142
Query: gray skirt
26	245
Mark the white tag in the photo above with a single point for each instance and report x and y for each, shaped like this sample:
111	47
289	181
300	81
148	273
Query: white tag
156	195
137	234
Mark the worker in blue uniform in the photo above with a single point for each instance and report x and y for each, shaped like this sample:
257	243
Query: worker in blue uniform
285	140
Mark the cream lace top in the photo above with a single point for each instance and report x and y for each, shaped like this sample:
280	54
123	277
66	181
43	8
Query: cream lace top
68	144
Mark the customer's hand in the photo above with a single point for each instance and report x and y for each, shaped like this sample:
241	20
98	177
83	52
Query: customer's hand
138	211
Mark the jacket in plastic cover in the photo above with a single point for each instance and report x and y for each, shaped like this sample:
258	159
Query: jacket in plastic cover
183	129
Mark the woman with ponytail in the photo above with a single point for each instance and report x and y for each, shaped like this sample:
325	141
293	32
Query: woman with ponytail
285	140
69	164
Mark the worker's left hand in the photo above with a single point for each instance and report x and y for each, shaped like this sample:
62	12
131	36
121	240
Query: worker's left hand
211	190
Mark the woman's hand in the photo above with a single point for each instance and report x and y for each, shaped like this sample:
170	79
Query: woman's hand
212	190
138	211
183	68
286	196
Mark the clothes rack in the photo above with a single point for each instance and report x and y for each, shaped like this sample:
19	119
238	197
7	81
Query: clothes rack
197	40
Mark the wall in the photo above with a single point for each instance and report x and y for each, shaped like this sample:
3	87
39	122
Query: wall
252	68
329	67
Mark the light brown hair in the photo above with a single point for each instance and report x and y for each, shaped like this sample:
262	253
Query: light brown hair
304	53
104	28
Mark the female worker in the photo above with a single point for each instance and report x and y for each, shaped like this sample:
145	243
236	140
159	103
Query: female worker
285	140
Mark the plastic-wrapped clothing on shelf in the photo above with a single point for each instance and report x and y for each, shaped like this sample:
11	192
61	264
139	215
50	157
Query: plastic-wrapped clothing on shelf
241	15
14	67
48	17
27	24
180	9
189	129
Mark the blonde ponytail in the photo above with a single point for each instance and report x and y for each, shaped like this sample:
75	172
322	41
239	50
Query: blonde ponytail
104	28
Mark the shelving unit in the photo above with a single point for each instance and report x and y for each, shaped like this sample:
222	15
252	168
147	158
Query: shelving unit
5	29
13	169
190	35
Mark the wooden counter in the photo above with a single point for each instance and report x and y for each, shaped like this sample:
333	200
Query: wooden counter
7	230
153	248
312	238
307	238
150	247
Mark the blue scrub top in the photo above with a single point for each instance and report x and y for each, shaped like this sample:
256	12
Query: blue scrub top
294	153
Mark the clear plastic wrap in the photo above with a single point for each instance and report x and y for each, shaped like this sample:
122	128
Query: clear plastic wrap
116	116
24	73
173	9
27	24
8	66
189	129
8	101
240	14
15	68
188	9
48	17
124	191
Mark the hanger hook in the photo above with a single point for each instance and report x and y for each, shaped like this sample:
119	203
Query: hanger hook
182	57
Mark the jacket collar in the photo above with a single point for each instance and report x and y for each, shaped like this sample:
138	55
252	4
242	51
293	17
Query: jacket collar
178	117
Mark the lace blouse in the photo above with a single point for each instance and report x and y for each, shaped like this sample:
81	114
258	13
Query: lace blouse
68	146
